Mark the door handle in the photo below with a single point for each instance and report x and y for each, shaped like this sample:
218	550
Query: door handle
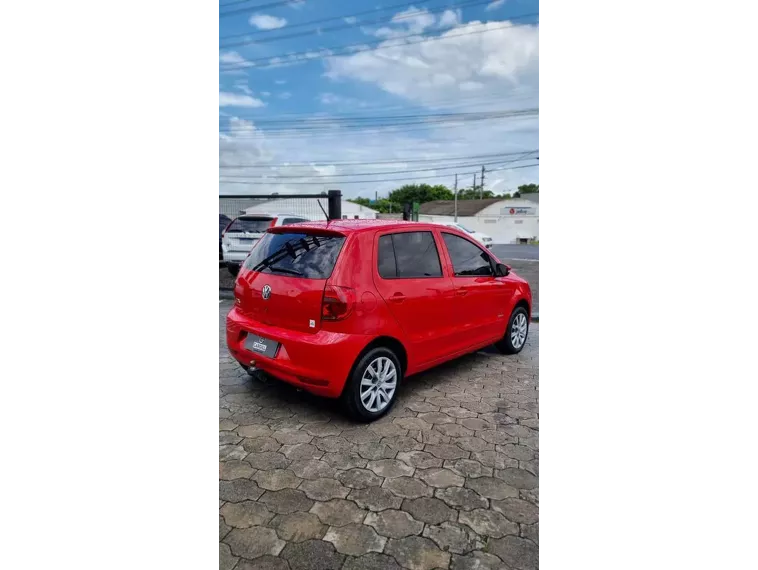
461	292
397	298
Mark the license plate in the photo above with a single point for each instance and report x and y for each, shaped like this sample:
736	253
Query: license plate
261	345
246	241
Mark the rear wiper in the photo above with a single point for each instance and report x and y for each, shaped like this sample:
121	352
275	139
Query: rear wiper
283	270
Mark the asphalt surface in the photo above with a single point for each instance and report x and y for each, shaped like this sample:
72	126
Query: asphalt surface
449	479
511	251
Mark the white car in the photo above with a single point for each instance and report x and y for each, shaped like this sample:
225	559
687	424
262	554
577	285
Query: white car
483	239
240	236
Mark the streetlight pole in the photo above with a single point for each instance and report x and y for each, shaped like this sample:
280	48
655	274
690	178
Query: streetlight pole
455	194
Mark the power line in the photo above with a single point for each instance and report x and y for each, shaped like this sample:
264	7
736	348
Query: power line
346	26
393	161
363	118
251	8
361	47
331	19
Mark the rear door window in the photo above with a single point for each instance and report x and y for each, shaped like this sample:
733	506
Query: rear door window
468	259
408	255
251	225
296	255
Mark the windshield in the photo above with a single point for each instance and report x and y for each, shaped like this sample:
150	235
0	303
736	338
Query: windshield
296	254
465	229
252	225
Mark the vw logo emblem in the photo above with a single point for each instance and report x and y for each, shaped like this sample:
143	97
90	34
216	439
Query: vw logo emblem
266	292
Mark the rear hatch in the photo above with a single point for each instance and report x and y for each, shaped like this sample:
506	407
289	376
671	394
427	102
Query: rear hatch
244	231
282	281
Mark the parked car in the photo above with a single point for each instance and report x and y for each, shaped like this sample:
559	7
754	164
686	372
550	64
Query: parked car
240	236
349	308
223	222
484	239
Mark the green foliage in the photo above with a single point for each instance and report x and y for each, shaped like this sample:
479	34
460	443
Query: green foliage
420	193
528	189
474	194
382	206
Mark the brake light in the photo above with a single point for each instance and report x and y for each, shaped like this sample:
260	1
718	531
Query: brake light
226	228
273	223
337	303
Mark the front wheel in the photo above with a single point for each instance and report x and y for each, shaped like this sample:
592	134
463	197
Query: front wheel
371	389
515	334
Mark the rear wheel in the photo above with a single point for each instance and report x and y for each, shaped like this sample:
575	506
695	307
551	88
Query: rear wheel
371	390
515	334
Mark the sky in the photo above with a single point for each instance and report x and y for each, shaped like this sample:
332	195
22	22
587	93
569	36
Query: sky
325	94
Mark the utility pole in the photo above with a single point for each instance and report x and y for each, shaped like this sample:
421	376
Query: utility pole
455	194
481	187
474	186
376	194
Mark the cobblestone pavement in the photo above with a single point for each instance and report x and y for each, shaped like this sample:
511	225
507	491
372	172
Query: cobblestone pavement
447	480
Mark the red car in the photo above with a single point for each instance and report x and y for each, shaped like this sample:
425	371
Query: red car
349	308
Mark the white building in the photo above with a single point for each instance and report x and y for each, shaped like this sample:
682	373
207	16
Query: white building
309	208
505	221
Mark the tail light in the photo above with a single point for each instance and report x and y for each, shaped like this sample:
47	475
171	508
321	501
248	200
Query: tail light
273	223
226	228
337	303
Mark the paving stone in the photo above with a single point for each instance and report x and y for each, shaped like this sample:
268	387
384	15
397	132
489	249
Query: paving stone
464	397
228	470
476	561
254	541
419	459
323	489
297	527
446	451
520	431
228	438
488	523
436	418
458	412
268	460
412	424
531	531
301	452
461	498
442	402
491	488
494	459
338	512
266	562
427	436
355	539
226	560
417	553
312	555
517	553
361	435
387	429
371	561
454	430
440	477
322	429
519	452
468	468
428	510
359	478
496	437
517	510
394	524
518	478
376	450
533	423
477	424
530	442
452	537
532	466
246	514
472	443
260	444
239	490
223	528
518	414
375	498
286	501
530	495
479	407
277	479
231	453
333	444
312	469
402	443
390	468
422	407
408	487
254	431
344	460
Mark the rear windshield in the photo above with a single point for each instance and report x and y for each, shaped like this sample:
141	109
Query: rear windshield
296	254
253	225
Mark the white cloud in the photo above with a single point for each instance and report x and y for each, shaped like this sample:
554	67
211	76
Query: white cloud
350	20
265	93
231	57
416	20
280	82
265	22
495	5
297	4
285	95
242	86
450	18
226	99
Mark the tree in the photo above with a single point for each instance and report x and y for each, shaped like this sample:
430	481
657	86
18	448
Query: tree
474	193
529	189
420	193
361	201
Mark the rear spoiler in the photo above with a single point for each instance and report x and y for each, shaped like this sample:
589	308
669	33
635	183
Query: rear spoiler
304	228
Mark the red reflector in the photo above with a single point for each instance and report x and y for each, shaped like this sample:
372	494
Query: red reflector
313	382
337	303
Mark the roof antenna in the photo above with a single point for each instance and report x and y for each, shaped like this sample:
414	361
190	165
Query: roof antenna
322	209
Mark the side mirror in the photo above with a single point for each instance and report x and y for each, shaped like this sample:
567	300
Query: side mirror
502	270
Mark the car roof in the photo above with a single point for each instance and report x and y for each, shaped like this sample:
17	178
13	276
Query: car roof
356	226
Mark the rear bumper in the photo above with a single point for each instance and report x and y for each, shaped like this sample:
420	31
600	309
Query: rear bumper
318	362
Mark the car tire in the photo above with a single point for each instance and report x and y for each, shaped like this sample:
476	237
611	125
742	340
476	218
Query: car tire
366	402
516	332
234	268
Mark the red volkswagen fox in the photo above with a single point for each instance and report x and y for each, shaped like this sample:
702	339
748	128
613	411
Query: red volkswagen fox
349	308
